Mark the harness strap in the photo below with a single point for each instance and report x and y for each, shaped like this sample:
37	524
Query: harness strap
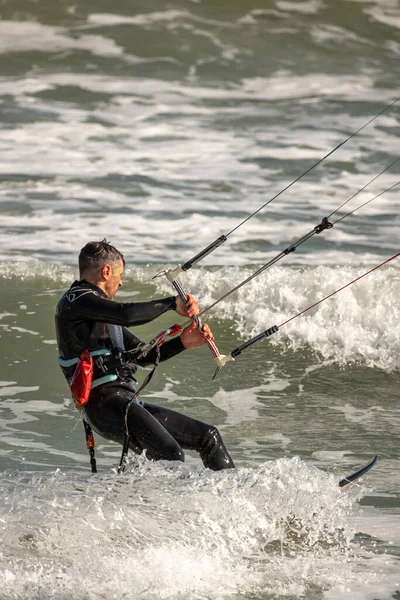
125	445
111	363
74	361
90	444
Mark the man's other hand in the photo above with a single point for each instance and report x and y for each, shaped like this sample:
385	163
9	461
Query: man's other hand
191	337
190	309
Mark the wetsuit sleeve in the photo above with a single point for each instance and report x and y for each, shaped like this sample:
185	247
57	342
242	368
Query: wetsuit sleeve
131	341
94	307
170	349
167	350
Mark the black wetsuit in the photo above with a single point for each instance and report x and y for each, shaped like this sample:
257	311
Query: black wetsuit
87	319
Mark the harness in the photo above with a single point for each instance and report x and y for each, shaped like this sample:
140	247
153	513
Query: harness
104	366
100	366
96	368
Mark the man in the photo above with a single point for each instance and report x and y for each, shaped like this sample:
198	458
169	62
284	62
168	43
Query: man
88	318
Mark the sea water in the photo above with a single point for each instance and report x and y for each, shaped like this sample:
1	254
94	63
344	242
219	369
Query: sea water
161	126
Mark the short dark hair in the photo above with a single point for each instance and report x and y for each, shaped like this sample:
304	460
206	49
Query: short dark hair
97	254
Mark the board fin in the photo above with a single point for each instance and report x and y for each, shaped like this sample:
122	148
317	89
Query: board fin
357	474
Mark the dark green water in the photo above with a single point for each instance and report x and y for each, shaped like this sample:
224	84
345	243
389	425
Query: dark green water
161	126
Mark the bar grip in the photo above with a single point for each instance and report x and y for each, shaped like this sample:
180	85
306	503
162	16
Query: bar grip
181	292
188	264
254	340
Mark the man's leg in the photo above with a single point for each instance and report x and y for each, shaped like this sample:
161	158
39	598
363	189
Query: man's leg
106	412
192	434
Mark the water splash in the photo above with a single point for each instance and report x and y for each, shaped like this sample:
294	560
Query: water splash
170	531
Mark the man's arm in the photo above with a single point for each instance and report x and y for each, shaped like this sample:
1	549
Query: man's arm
167	350
94	307
190	337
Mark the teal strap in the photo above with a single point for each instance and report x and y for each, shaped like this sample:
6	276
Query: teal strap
74	361
96	382
67	363
101	380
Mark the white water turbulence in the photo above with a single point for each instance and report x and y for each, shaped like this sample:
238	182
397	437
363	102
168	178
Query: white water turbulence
359	325
173	532
161	126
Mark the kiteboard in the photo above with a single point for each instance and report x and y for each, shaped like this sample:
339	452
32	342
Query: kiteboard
347	481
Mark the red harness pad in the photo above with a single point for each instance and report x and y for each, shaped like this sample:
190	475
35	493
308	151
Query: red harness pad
82	379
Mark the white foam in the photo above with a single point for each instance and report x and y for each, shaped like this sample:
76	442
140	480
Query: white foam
308	8
23	330
331	455
358	325
151	19
31	270
168	531
242	406
368	417
11	390
207	180
24	36
385	12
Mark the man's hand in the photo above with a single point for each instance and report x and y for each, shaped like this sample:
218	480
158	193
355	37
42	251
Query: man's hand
191	337
190	309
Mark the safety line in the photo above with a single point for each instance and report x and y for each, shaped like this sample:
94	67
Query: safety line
339	290
367	202
275	328
313	166
362	189
318	229
222	239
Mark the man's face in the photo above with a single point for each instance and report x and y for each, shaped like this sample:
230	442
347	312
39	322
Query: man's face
113	279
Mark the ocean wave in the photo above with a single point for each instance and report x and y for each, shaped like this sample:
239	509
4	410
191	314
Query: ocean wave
359	325
174	532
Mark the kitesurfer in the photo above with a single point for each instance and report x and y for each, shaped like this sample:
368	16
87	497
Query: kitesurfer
89	319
